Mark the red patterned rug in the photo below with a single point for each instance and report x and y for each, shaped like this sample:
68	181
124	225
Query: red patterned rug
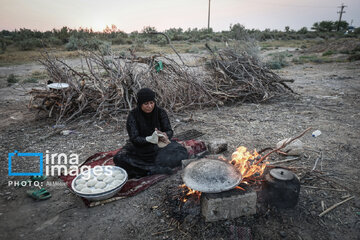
132	186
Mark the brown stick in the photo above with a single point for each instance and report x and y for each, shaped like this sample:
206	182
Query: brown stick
97	203
282	146
283	161
334	206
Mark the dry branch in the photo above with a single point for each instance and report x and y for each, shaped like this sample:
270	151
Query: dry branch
334	206
106	85
282	146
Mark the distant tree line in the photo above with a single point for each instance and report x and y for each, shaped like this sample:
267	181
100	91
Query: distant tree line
84	38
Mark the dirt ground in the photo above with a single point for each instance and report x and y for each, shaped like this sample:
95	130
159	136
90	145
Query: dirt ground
328	99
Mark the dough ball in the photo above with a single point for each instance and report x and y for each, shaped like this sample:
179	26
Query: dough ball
80	187
87	178
80	181
97	190
108	187
100	185
108	179
86	190
116	172
120	176
92	182
116	183
101	177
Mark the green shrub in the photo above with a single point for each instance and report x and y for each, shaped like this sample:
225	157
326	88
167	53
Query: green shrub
345	52
138	44
105	48
55	41
30	80
30	44
162	42
356	49
217	39
118	41
2	45
193	49
312	59
73	44
11	79
278	60
328	53
88	44
354	57
39	75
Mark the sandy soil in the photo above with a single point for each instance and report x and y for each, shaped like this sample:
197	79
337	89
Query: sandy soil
328	99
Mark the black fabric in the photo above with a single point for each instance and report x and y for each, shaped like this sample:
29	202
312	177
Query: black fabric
171	155
139	157
140	125
145	95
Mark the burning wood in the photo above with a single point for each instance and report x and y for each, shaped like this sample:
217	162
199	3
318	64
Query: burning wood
251	166
245	162
188	193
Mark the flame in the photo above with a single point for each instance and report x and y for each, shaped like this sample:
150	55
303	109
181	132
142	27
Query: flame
243	160
190	193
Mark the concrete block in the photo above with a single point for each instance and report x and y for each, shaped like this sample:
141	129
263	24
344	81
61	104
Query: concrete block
216	146
228	205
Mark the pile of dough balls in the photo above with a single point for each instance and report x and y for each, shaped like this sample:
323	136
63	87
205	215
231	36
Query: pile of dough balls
99	183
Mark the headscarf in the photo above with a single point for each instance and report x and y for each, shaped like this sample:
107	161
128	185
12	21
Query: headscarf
147	122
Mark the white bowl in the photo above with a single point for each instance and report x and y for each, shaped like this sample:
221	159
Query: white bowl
105	194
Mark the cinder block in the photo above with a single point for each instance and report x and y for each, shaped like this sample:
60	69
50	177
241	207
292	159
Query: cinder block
216	146
228	205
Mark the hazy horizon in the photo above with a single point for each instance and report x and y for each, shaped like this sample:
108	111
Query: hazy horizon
131	16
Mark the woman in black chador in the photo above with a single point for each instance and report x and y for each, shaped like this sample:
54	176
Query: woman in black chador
149	129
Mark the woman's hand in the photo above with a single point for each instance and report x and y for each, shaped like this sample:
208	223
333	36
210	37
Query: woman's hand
165	138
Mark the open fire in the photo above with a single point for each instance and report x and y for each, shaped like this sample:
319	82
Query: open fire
189	193
244	161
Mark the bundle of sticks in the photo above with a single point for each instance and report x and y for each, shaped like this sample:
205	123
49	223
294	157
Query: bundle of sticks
241	77
107	85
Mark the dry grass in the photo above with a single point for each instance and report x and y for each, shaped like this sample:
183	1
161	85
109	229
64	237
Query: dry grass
13	56
288	43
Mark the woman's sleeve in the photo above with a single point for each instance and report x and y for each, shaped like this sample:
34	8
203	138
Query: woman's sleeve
165	124
133	132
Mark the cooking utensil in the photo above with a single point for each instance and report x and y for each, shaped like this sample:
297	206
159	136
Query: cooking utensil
211	176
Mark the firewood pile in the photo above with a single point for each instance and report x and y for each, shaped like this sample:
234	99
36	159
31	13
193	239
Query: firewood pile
241	77
106	85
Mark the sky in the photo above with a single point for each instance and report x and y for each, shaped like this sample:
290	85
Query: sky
133	15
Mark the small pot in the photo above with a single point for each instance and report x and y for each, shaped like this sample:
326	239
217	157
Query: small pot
281	188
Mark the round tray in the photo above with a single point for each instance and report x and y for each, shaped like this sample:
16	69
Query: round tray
58	85
211	176
102	195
